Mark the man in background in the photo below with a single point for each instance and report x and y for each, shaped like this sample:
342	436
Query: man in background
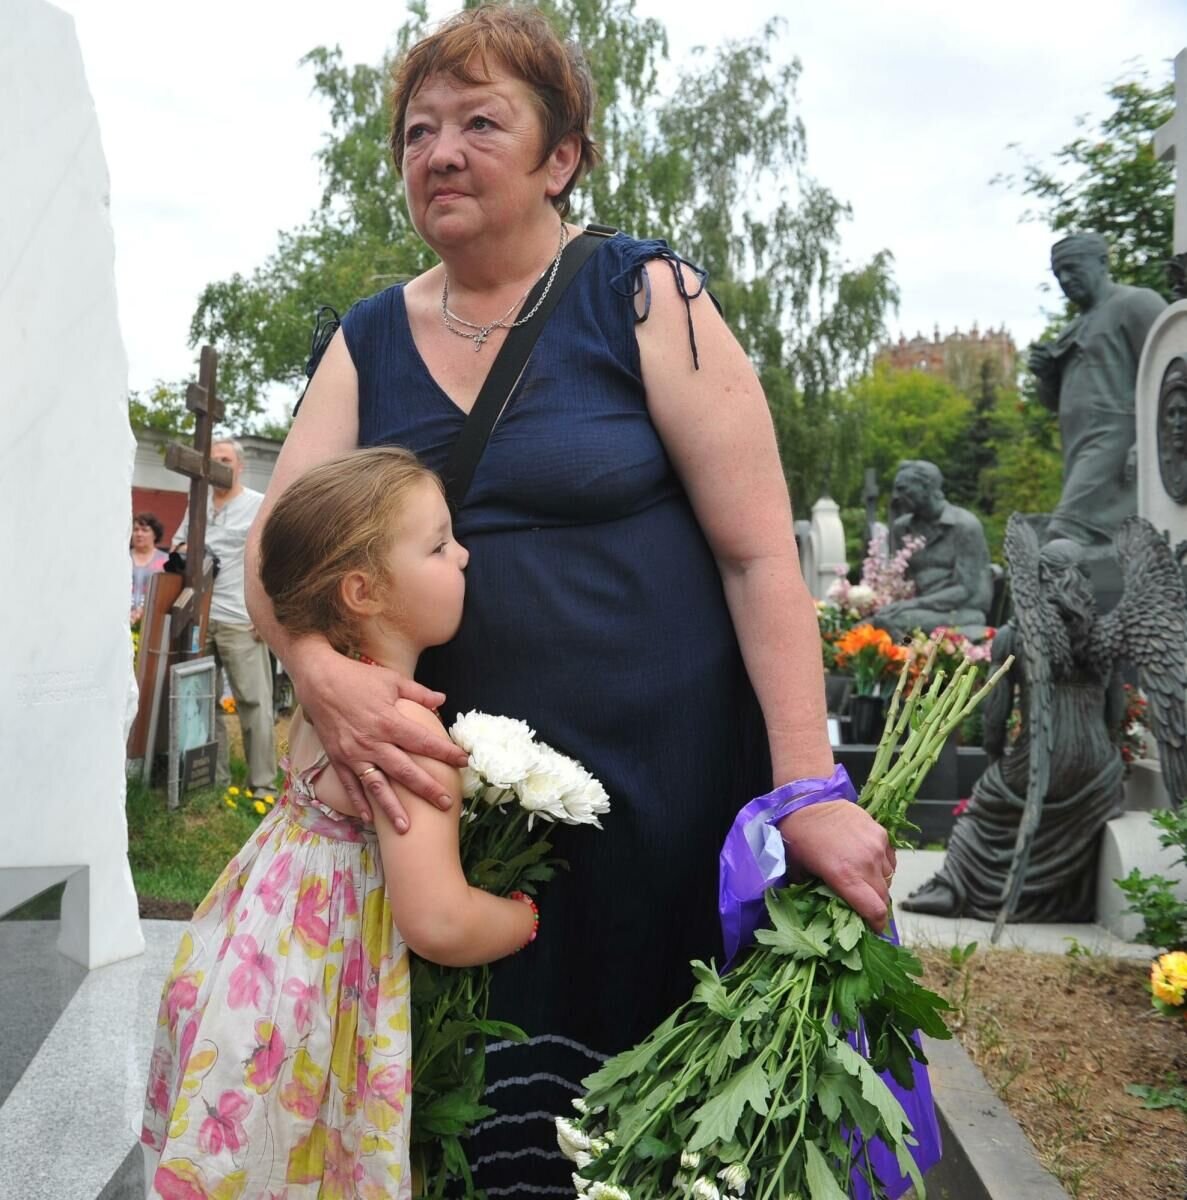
231	638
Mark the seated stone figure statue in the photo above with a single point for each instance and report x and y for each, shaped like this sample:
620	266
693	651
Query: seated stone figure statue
951	573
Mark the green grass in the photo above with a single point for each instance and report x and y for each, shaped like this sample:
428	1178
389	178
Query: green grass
178	855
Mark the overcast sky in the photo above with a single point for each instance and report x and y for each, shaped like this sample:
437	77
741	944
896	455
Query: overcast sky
209	130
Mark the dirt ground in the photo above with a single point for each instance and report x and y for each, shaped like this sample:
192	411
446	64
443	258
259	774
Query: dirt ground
1058	1038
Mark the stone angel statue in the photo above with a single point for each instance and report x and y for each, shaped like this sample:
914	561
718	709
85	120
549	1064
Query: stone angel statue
1026	847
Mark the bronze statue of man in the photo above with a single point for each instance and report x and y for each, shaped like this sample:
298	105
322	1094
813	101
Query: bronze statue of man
953	583
1087	376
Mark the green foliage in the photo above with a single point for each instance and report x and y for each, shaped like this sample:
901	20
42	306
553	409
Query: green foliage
1174	1095
179	855
163	408
908	414
1164	915
715	165
1108	181
1027	471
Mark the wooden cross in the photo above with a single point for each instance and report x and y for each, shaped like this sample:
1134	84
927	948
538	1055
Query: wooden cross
1170	142
201	399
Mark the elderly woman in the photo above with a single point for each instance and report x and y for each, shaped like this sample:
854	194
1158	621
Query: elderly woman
633	590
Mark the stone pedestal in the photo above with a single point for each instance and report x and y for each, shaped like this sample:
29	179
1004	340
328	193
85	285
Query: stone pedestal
1129	841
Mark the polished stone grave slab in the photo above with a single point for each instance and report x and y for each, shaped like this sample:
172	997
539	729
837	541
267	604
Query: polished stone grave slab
72	1118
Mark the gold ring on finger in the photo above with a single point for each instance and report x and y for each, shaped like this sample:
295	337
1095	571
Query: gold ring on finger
364	774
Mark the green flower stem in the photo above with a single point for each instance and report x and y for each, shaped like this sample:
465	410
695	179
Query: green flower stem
801	1015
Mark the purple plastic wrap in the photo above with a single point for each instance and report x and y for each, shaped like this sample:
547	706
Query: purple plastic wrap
754	859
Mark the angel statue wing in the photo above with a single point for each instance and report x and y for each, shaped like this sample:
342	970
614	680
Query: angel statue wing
1044	645
1149	628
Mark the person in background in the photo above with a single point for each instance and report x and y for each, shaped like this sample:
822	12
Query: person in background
147	559
231	638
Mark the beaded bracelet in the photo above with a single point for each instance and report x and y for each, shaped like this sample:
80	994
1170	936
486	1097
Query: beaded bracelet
535	916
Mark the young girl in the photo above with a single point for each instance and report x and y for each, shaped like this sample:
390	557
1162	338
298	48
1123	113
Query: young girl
281	1066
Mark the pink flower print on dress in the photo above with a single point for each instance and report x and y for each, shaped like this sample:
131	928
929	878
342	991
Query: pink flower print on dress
188	1034
321	1158
311	928
159	1073
179	1179
181	996
223	1126
272	892
264	1065
305	996
254	980
387	1093
302	1095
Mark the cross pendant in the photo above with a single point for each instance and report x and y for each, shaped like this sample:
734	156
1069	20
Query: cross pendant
479	338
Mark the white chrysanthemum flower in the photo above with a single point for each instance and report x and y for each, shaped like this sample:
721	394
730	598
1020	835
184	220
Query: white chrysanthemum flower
681	1180
570	1139
580	1185
542	791
585	801
599	1145
705	1189
584	1158
735	1178
608	1191
580	1105
501	749
690	1159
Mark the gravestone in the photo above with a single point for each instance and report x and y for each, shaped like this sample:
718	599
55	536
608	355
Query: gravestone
821	544
66	658
1161	405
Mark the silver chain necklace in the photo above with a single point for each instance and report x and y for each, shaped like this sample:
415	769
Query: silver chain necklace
452	321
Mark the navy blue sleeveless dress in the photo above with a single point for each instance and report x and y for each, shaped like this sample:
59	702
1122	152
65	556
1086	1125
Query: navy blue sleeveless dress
595	612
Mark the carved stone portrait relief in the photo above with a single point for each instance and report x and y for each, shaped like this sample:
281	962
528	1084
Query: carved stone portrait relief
1172	430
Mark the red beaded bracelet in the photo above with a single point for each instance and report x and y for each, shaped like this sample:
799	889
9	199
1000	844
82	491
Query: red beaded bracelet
535	916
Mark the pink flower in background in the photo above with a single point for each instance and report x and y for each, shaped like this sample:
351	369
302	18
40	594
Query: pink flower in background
254	980
224	1125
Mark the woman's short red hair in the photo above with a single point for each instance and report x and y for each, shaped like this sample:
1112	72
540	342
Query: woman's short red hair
521	41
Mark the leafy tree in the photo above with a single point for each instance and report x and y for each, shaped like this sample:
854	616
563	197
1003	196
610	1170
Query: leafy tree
1027	472
909	414
162	408
687	165
976	453
1107	180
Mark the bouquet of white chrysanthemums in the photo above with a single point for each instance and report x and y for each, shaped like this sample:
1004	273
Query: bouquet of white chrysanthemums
515	789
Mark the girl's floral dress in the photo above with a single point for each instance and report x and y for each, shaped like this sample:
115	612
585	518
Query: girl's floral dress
282	1065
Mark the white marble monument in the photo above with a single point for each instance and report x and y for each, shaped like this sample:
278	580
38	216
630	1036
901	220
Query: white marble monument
821	544
65	656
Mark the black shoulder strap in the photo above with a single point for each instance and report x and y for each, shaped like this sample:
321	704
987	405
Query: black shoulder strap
508	367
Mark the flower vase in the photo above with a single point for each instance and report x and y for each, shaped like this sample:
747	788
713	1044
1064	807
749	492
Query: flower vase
866	716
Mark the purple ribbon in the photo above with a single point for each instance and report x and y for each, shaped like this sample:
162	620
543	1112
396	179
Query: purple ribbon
753	859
